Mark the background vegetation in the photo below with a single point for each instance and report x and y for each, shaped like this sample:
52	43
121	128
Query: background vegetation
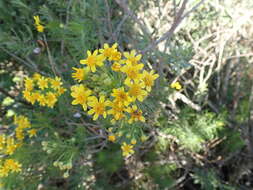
197	137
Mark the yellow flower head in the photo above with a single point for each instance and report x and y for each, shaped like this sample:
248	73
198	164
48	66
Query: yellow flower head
56	83
110	52
176	85
117	111
116	66
12	165
127	149
135	113
2	141
51	99
121	96
136	91
40	28
10	146
36	20
80	94
133	141
93	60
36	76
43	83
131	58
32	132
132	72
42	100
27	95
28	84
148	79
80	74
112	138
98	106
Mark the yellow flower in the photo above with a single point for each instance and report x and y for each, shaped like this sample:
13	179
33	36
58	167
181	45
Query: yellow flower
121	96
148	79
10	146
42	100
133	141
131	58
34	96
81	94
116	66
80	74
50	99
56	83
27	95
12	165
36	76
176	85
127	149
36	20
110	52
116	56
32	132
40	28
60	91
117	111
43	83
4	171
136	115
93	60
98	106
136	91
28	84
132	72
2	141
112	138
19	133
22	121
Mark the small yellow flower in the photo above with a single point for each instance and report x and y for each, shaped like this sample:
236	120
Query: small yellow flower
121	96
28	84
10	146
132	72
51	99
27	95
36	76
56	83
131	58
98	106
43	83
40	28
117	111
60	91
36	20
80	74
135	113
127	149
176	85
38	25
136	91
42	100
133	141
110	52
112	138
148	79
12	165
81	94
2	141
93	60
116	66
32	132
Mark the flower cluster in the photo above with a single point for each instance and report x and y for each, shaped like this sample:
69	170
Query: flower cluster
44	90
39	26
112	83
9	144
